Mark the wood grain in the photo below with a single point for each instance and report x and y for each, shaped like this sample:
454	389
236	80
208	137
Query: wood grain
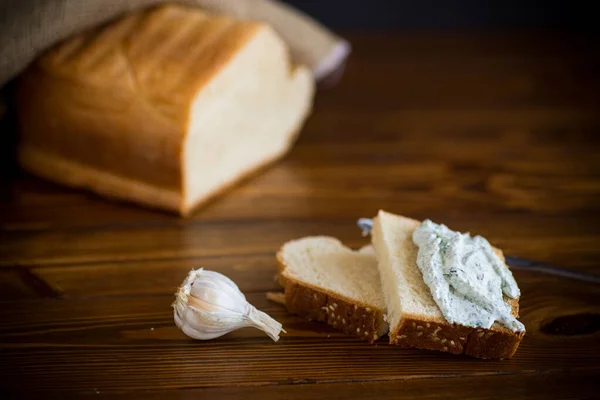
491	134
253	273
515	386
98	335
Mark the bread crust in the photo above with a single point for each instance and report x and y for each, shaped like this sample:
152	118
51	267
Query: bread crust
315	304
61	170
58	169
496	342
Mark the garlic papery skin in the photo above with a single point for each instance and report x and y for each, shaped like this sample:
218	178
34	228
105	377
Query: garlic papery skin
209	304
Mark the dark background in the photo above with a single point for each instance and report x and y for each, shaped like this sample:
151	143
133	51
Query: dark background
453	14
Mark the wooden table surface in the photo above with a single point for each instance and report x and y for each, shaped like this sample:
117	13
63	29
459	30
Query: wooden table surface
492	134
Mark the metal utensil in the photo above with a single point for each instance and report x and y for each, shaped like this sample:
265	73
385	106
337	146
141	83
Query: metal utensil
366	225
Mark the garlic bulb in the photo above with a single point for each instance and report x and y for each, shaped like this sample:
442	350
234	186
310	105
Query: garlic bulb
209	305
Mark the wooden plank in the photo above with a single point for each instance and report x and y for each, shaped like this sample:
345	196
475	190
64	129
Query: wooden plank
78	344
577	385
555	241
511	171
468	71
21	283
252	273
467	83
159	242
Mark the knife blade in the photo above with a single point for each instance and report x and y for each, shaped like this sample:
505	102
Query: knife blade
543	268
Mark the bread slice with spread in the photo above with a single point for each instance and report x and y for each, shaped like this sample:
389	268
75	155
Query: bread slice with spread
325	281
414	317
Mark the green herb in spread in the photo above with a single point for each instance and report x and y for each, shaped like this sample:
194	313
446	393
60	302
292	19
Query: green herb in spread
466	277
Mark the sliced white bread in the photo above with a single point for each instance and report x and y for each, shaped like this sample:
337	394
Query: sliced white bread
324	280
414	317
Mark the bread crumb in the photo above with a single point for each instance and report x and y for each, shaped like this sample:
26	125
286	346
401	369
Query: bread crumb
331	307
480	334
428	325
402	337
435	338
343	320
462	338
444	341
445	348
366	333
419	327
276	297
413	324
419	333
334	305
355	307
357	330
452	342
368	309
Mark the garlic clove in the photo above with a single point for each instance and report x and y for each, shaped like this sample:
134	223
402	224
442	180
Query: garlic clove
212	325
209	305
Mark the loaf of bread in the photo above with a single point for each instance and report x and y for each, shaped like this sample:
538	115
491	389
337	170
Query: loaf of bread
164	107
326	281
414	317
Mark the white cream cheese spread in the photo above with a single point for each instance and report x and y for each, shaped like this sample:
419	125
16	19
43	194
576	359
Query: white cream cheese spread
466	277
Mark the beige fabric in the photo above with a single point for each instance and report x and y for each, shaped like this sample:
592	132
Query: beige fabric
29	27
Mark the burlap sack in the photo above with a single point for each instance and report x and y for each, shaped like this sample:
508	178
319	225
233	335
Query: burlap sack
29	27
